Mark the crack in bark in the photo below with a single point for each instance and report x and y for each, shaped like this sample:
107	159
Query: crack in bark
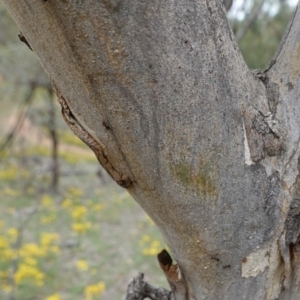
292	222
80	132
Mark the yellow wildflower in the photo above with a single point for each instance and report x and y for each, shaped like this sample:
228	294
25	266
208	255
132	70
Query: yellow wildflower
31	249
12	233
48	239
66	203
3	242
55	296
29	272
155	244
94	290
47	201
30	261
8	254
82	265
145	238
153	249
150	251
81	227
79	212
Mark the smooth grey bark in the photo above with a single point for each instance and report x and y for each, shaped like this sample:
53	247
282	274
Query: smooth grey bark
209	149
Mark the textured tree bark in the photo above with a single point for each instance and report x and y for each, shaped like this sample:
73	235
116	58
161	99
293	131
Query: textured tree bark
138	289
209	149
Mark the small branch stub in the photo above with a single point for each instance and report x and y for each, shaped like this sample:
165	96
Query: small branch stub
24	40
173	275
138	289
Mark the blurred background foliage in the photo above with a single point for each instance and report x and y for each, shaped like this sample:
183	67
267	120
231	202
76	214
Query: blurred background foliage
260	41
66	230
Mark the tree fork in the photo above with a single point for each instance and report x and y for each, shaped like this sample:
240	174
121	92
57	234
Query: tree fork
211	149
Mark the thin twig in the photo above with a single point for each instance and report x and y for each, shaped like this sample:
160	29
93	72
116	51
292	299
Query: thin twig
173	275
20	121
249	21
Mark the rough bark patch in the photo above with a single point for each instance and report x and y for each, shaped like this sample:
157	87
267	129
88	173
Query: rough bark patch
256	262
263	135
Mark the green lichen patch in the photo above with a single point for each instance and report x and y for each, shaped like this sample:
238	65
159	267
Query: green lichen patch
200	177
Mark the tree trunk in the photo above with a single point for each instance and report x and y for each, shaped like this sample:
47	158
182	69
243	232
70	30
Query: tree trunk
210	150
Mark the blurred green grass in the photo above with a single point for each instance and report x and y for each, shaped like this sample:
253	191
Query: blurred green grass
85	241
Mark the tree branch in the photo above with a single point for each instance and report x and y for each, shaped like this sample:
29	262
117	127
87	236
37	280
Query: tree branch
133	77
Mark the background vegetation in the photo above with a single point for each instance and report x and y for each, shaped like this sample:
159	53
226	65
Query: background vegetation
67	231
